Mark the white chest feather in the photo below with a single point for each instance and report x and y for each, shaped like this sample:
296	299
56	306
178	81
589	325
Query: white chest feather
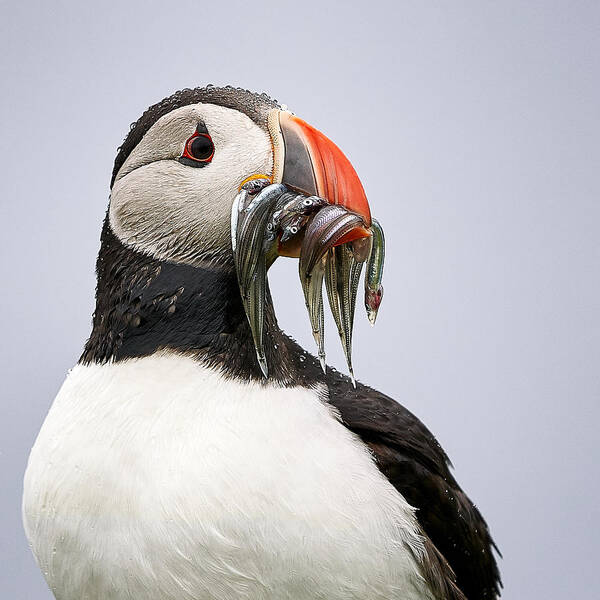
158	479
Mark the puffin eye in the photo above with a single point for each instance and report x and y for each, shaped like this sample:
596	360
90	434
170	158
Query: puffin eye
198	151
199	147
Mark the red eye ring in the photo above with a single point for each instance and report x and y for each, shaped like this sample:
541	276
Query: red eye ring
188	151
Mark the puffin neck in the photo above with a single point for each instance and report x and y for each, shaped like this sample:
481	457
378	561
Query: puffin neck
145	305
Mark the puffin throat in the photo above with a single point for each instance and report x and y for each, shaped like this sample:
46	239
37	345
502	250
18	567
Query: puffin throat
145	305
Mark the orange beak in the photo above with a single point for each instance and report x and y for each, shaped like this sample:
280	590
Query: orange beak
307	161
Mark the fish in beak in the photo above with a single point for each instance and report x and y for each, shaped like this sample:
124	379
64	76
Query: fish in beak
308	162
313	207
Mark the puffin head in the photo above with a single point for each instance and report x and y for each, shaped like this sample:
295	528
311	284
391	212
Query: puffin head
186	244
184	161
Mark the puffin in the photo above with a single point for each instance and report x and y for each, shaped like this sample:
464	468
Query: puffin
169	466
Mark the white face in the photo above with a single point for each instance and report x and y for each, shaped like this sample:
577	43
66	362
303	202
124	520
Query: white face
178	212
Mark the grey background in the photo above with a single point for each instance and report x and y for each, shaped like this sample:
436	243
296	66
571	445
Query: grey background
474	127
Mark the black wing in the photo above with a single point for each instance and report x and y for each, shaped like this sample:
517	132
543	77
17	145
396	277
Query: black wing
414	462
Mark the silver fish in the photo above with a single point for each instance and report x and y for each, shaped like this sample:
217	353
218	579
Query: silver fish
250	233
253	186
342	281
293	217
327	227
312	286
324	231
236	208
254	306
292	226
374	272
252	251
264	214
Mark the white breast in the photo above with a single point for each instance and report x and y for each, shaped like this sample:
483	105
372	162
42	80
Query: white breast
157	478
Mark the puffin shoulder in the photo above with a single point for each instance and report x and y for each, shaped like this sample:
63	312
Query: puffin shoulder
459	559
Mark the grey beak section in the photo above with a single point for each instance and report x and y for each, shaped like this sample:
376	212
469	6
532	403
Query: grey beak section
298	172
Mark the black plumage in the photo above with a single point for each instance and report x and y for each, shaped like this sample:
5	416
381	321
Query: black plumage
411	458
